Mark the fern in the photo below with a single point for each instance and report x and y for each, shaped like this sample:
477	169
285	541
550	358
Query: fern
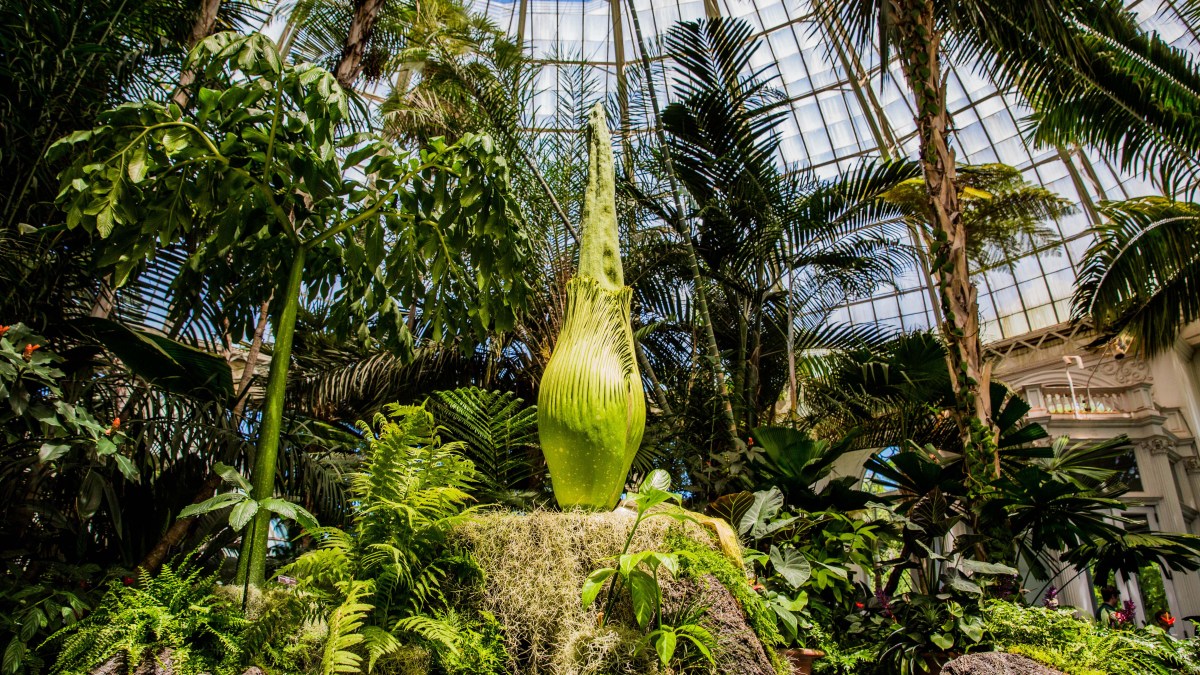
344	625
498	432
174	611
384	575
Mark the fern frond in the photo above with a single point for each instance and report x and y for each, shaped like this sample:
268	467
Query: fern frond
344	633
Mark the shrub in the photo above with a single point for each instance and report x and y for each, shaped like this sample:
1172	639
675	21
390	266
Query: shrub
172	615
1078	647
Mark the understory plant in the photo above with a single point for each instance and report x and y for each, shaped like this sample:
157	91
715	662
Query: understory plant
173	617
638	574
382	579
1081	647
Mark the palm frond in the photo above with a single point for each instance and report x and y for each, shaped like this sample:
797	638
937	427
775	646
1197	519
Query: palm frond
1141	278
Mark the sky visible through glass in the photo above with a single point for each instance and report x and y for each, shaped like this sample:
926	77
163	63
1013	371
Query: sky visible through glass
842	110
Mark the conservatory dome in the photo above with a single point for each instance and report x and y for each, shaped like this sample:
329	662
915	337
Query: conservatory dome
842	108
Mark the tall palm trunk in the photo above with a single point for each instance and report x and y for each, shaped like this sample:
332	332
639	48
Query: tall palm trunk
362	24
713	351
206	20
920	47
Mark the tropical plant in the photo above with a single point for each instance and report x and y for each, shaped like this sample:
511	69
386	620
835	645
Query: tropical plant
919	31
137	180
1137	278
1004	216
1059	639
775	249
1107	83
31	612
383	577
795	462
498	433
171	617
639	574
591	404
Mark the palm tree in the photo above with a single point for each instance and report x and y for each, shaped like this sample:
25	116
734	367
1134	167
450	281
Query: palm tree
1125	92
921	32
774	250
1003	214
1141	278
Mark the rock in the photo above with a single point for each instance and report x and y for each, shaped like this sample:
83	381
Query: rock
160	664
113	666
996	663
254	670
738	649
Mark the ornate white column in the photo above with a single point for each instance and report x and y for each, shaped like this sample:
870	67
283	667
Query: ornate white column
1154	457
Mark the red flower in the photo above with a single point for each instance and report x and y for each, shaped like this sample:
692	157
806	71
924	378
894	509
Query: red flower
128	581
3	330
758	588
116	424
859	605
30	349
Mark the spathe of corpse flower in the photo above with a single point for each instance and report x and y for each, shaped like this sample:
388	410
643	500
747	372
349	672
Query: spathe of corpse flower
591	406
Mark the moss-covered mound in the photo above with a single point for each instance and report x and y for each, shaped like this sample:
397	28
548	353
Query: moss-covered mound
534	566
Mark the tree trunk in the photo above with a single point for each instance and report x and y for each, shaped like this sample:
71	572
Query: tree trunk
920	53
206	20
253	565
713	351
362	24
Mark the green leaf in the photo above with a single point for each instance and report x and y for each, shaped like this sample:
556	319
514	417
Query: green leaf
766	506
52	451
211	504
664	645
136	167
230	475
787	620
972	627
126	467
242	513
291	511
160	360
658	479
791	565
942	640
643	590
594	584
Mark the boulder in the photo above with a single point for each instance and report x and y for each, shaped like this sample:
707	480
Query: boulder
996	663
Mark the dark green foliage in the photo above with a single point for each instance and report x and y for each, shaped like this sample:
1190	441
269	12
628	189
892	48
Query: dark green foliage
31	612
1141	279
498	433
174	612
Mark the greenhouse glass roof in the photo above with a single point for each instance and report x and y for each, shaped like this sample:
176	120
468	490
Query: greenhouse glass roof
841	110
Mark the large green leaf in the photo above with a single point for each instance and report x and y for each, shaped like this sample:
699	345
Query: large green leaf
790	564
160	360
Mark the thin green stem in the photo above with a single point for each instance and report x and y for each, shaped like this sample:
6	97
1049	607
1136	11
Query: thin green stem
263	478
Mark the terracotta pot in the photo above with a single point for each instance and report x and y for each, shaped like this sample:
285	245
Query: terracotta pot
802	659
